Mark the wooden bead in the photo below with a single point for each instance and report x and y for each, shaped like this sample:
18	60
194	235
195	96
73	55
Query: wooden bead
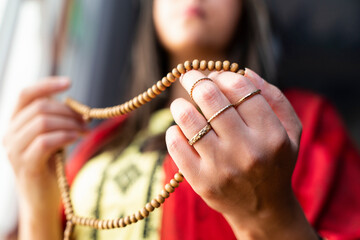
218	65
164	193
176	73
149	207
133	219
138	215
115	223
122	222
145	97
178	177
226	65
144	212
122	108
87	222
160	199
131	106
188	65
203	65
150	93
68	211
174	183
104	224
100	224
155	203
69	217
181	68
160	85
195	64
91	222
165	82
155	89
82	221
110	224
169	188
95	223
234	67
127	109
170	77
127	220
241	72
211	65
136	103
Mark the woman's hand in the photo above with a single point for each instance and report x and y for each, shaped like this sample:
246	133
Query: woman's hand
243	166
39	127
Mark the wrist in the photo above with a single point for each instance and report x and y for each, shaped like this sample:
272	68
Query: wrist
39	223
284	222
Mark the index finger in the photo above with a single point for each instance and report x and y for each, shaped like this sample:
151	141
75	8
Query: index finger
41	89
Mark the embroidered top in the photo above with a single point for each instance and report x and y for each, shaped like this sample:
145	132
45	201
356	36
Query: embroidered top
111	187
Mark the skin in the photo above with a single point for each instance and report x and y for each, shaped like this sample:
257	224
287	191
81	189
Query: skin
242	168
39	126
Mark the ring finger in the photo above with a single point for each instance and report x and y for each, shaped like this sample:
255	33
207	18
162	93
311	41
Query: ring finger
255	111
191	122
210	99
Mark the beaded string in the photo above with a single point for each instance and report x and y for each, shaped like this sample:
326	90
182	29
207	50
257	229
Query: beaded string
102	113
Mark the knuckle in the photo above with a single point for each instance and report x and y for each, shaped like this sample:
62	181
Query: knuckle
42	122
208	93
279	140
254	161
172	139
42	143
207	191
278	96
187	116
229	176
41	105
237	84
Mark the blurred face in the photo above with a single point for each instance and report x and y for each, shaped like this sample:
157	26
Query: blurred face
185	27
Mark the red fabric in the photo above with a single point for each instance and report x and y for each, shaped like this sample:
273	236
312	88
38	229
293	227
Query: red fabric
87	148
326	179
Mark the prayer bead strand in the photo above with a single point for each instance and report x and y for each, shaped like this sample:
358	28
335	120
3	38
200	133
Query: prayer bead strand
110	112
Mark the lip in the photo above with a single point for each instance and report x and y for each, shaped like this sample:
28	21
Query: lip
194	11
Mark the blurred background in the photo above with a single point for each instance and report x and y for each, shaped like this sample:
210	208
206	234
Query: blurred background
318	44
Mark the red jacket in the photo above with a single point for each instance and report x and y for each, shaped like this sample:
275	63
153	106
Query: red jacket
326	179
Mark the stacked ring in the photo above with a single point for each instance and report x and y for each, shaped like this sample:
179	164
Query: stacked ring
200	134
195	83
248	96
208	127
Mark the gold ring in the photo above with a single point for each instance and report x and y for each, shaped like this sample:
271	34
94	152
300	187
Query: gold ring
219	112
200	134
195	83
243	99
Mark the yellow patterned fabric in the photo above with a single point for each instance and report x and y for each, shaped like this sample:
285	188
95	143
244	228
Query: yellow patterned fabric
111	187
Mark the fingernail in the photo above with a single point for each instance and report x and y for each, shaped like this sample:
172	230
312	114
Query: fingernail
63	81
250	73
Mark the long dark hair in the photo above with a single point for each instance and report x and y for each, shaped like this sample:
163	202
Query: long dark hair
251	47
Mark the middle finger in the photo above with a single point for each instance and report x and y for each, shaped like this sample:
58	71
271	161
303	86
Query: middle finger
210	99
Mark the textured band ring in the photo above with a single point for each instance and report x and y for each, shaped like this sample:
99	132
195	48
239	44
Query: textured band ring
195	83
220	112
200	134
243	99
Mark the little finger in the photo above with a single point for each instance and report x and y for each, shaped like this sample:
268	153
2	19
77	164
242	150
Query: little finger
43	124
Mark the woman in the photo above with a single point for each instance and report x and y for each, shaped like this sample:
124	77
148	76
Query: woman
239	175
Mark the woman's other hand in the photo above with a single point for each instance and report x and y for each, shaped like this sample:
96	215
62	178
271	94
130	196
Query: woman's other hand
40	126
243	166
